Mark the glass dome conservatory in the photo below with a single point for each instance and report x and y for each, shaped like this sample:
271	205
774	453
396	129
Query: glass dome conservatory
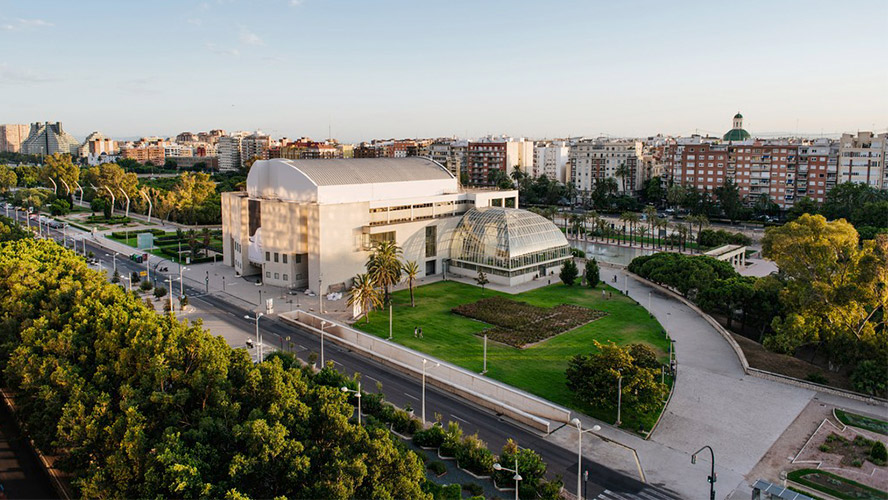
512	244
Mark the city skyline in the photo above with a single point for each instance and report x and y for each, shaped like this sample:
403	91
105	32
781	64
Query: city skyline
459	69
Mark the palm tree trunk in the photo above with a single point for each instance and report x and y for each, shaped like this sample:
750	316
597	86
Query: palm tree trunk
412	302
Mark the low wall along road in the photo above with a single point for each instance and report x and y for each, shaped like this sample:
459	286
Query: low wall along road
501	398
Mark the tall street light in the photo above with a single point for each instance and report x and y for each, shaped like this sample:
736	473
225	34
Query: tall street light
113	259
258	337
357	395
712	477
619	395
517	477
424	362
323	324
580	431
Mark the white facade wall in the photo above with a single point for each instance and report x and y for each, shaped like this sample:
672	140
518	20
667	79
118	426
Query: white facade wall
862	159
551	160
228	149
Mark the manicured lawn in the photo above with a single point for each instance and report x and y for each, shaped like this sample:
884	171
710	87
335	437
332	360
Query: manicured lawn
538	369
835	485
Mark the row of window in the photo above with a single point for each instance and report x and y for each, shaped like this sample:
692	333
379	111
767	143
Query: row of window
296	277
282	257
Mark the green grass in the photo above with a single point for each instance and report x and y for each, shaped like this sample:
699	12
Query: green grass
835	485
539	369
855	420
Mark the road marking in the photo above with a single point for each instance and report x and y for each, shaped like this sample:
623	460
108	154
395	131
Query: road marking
371	378
460	419
411	396
302	347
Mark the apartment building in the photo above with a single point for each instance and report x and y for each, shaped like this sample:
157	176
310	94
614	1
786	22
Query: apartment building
450	154
255	145
862	159
145	153
228	149
592	160
49	138
551	159
12	136
488	155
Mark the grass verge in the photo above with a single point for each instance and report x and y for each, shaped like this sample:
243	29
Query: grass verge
836	485
855	420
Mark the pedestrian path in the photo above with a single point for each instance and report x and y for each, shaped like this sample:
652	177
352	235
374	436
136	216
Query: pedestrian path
644	494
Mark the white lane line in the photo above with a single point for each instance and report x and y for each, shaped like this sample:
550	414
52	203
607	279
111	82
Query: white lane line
302	347
371	378
411	396
460	419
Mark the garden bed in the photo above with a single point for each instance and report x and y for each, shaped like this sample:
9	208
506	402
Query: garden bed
855	420
836	486
520	324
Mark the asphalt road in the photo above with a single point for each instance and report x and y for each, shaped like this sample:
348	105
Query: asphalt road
401	389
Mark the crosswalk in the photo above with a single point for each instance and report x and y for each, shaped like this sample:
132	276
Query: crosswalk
644	494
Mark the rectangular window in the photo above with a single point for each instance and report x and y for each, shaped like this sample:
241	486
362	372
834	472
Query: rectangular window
284	256
268	274
277	275
298	259
276	256
255	216
267	256
431	241
286	278
380	237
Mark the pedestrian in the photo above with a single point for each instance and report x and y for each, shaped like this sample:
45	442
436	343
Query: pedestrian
610	295
415	331
603	294
420	332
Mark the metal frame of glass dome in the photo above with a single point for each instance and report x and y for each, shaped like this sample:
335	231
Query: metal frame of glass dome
506	242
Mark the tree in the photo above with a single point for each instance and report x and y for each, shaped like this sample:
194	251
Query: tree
623	173
569	272
728	195
591	273
384	266
59	207
653	191
8	179
676	195
803	205
836	290
842	200
481	280
61	170
411	271
364	293
593	377
97	205
764	206
109	176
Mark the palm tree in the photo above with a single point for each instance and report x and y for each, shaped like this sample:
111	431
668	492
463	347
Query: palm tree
662	223
364	292
591	216
700	220
384	266
634	219
517	175
411	270
641	232
622	172
650	212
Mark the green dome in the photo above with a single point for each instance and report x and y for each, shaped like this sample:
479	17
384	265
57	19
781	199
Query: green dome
738	115
737	134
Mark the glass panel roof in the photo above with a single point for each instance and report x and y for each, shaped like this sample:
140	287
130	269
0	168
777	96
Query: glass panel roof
507	238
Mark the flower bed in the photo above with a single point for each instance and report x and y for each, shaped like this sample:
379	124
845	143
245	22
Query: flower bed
519	324
836	486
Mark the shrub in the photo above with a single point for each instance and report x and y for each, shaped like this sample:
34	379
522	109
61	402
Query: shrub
160	291
472	454
825	448
817	378
146	285
405	424
878	454
372	403
437	467
450	492
452	439
569	272
433	437
473	489
592	273
550	490
862	442
856	463
869	377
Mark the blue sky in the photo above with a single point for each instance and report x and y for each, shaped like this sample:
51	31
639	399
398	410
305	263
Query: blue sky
379	68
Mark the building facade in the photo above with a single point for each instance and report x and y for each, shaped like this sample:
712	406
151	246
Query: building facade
551	159
49	138
490	155
228	150
592	160
313	223
12	136
862	159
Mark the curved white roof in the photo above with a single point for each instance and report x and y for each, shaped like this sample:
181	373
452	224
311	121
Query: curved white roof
348	180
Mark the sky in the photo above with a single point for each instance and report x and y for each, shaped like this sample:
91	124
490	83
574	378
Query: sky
394	69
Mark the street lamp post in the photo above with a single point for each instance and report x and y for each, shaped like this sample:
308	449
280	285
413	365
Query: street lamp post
320	297
357	395
424	362
113	259
258	337
517	477
585	482
323	324
390	318
595	428
484	369
712	477
619	395
170	279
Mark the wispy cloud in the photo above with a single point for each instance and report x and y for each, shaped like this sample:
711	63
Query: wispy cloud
19	24
222	50
295	3
247	37
20	76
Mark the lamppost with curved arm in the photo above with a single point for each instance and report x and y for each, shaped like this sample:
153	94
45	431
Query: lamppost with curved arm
113	200
517	477
150	206
580	431
81	191
127	200
712	477
357	395
258	337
